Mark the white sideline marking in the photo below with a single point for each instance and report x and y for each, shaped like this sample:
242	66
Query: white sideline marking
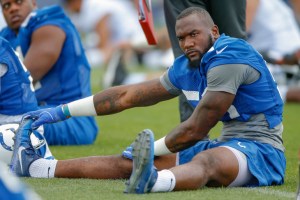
277	193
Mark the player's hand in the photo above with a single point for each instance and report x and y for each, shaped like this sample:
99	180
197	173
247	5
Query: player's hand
46	116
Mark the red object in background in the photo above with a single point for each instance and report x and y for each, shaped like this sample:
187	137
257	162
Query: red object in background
146	20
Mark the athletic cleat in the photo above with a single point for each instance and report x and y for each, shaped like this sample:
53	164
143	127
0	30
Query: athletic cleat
144	173
23	153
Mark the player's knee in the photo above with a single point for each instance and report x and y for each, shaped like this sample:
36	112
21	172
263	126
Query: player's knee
207	161
200	172
207	166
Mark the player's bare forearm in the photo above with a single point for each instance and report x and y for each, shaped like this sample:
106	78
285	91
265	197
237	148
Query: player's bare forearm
206	115
119	98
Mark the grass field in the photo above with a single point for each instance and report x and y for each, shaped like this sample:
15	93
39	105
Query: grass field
118	131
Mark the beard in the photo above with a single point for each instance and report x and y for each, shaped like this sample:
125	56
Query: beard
195	63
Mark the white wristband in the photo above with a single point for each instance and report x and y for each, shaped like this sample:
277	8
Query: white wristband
82	107
160	147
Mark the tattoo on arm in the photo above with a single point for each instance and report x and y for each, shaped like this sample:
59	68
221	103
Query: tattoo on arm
119	98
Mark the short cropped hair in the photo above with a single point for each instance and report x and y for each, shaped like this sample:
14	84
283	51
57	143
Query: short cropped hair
202	13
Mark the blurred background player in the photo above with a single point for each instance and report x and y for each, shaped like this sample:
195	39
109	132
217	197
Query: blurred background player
229	16
111	33
54	56
273	31
295	6
115	41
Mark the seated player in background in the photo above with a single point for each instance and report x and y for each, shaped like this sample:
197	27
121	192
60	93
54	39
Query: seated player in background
55	58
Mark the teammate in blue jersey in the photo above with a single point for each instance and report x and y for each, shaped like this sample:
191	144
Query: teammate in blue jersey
16	98
55	58
226	80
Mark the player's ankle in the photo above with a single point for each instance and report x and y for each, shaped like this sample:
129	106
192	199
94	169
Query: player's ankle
42	168
165	182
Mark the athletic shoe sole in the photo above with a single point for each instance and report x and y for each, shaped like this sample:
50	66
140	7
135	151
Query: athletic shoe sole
143	156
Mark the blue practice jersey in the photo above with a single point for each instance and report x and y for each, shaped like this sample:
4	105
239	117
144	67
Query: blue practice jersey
10	36
261	96
16	94
69	78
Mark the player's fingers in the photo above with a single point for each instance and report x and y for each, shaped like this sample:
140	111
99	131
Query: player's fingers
32	115
26	116
35	125
43	118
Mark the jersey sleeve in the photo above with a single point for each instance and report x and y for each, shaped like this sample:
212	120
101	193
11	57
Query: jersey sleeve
229	77
165	81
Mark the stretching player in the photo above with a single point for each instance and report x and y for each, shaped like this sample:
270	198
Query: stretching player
225	79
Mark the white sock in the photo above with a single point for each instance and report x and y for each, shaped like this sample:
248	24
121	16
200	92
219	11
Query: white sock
42	168
165	182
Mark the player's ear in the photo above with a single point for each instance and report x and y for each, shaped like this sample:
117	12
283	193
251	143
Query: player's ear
34	4
215	31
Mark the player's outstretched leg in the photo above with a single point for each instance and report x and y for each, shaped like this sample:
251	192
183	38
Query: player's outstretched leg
23	153
144	174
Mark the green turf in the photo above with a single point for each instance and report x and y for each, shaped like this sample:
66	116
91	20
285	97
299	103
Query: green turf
118	131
